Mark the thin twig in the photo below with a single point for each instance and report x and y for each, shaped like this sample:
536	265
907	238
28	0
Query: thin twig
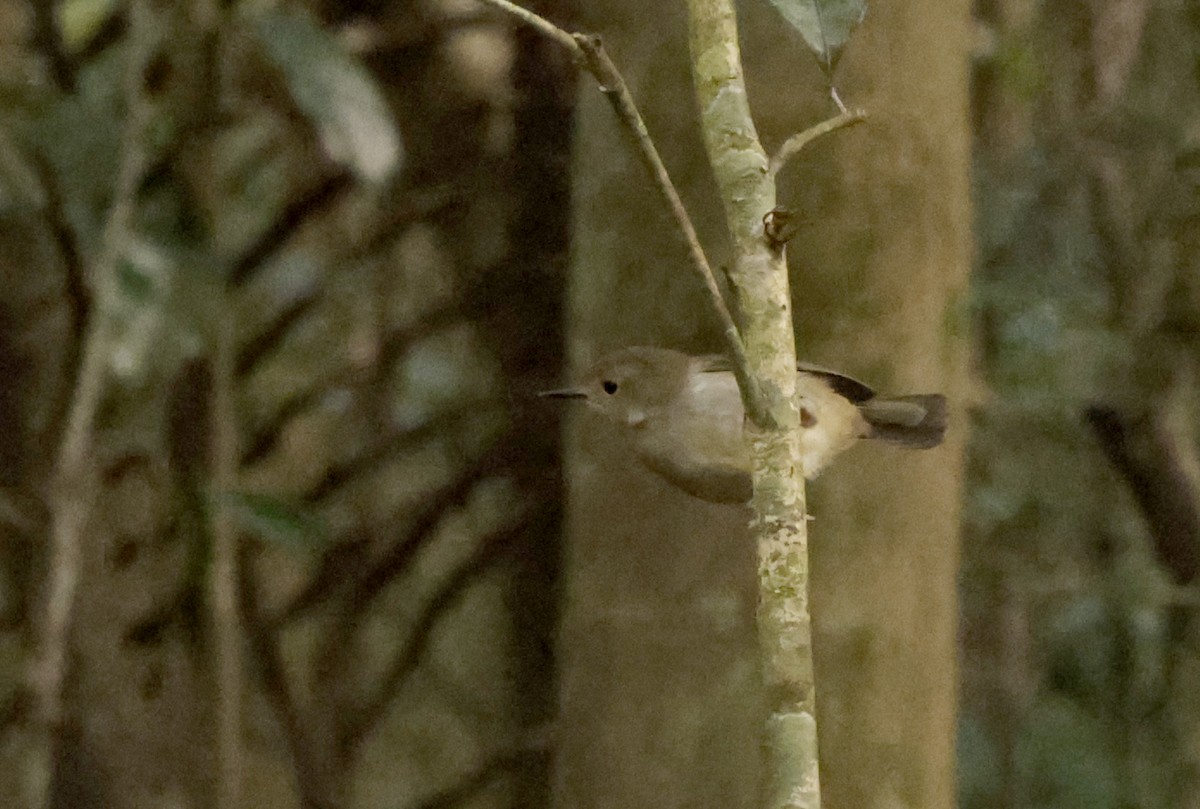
363	583
388	446
75	287
614	88
837	99
359	724
796	143
272	674
474	782
417	204
223	578
265	435
317	200
75	483
19	512
1161	472
47	38
253	351
540	23
597	62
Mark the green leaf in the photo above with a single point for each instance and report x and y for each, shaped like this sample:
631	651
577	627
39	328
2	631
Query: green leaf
78	136
825	24
335	91
276	520
133	281
80	20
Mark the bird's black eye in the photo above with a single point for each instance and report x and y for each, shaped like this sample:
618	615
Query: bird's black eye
609	386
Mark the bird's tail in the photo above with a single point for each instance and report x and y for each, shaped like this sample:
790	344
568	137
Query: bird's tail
917	421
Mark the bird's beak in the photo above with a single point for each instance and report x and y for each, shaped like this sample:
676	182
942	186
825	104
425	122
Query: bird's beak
565	393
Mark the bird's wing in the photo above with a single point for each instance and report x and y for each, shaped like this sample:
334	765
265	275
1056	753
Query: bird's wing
845	386
713	363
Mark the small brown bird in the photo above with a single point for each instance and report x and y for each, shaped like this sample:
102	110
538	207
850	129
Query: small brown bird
683	417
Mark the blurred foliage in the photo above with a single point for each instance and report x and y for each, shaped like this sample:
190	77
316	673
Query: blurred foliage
354	188
1072	625
276	520
340	182
80	20
335	91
